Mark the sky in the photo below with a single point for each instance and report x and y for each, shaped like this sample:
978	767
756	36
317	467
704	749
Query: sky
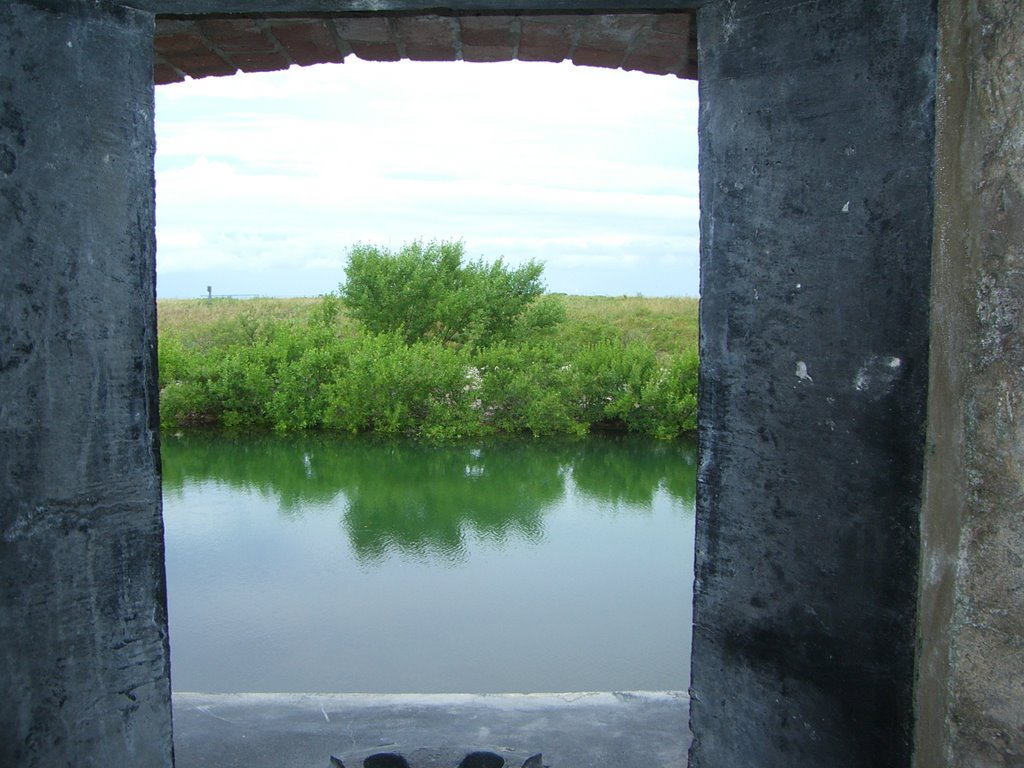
265	181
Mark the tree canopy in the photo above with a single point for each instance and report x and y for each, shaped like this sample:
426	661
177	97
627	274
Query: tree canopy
427	291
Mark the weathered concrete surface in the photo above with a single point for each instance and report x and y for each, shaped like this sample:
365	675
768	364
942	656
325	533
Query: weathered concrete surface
261	7
817	137
970	694
816	183
576	730
83	641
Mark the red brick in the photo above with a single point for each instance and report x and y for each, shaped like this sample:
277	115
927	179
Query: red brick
662	45
609	33
555	53
427	39
307	41
673	23
545	41
202	65
371	29
237	36
260	62
487	31
165	73
430	53
488	52
653	65
592	57
375	51
191	55
179	43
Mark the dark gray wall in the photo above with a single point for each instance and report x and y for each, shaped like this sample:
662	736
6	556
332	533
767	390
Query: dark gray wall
817	162
83	644
299	7
816	200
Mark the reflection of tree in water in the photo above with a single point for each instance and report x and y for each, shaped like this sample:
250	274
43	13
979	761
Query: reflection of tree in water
411	497
626	470
423	500
296	471
428	498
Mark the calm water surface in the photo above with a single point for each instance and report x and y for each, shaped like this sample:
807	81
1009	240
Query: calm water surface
354	565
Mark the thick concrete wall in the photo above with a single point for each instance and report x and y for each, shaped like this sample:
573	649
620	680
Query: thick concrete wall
816	144
818	152
83	645
330	7
970	694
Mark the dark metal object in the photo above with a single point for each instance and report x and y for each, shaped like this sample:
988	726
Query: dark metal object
426	758
482	760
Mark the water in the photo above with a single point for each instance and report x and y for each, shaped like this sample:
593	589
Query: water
354	565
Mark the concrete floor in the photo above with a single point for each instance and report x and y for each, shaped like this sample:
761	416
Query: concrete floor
572	730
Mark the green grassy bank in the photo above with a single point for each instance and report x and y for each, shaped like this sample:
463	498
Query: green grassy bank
303	364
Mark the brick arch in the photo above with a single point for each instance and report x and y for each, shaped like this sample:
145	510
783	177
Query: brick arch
655	43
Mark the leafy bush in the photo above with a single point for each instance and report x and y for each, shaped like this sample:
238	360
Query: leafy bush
184	373
396	388
426	292
527	387
611	377
510	366
669	400
302	394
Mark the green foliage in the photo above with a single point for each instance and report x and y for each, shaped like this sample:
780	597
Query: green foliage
525	366
669	399
302	396
527	387
612	377
184	373
391	387
425	292
243	385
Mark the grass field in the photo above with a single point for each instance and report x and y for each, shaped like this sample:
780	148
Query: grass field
668	325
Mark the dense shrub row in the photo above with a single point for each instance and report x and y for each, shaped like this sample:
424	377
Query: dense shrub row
323	374
422	342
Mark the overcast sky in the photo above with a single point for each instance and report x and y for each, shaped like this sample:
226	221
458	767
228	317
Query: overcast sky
264	181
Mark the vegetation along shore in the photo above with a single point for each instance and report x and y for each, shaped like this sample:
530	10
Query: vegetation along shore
421	342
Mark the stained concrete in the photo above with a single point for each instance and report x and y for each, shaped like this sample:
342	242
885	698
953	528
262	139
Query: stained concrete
970	697
571	730
816	216
816	141
83	628
257	7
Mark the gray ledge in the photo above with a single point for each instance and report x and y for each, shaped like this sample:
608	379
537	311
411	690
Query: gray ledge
299	730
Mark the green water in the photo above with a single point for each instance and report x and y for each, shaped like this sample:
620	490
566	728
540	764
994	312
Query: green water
355	565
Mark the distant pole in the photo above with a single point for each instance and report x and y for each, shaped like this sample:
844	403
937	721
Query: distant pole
209	293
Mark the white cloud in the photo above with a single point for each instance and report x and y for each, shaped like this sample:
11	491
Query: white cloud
584	168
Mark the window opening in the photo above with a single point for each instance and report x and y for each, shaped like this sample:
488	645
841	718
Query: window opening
258	197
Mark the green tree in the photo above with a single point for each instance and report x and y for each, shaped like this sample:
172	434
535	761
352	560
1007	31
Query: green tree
425	291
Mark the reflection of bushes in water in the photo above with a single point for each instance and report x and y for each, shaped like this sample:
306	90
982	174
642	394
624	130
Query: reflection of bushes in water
416	497
626	470
425	498
420	498
295	471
